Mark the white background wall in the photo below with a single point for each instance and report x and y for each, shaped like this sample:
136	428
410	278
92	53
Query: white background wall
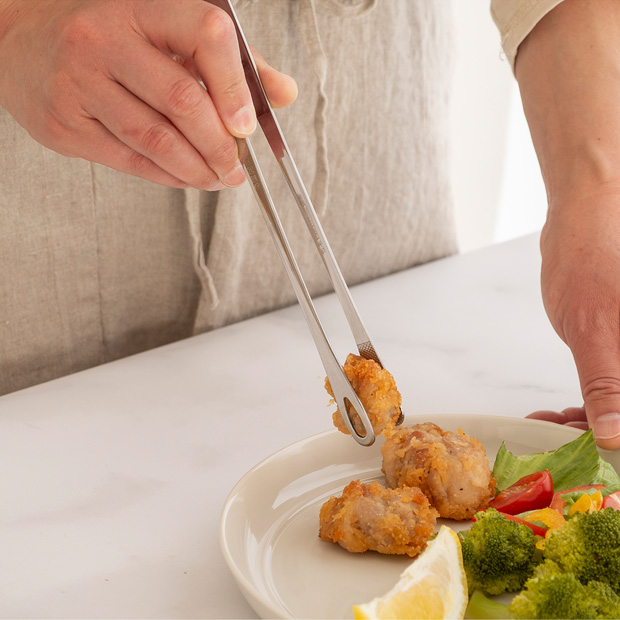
498	191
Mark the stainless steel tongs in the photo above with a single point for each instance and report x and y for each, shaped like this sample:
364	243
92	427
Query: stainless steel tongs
344	394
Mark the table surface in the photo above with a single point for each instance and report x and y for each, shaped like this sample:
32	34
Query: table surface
113	479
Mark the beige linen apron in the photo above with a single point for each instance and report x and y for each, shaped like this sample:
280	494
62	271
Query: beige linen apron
96	265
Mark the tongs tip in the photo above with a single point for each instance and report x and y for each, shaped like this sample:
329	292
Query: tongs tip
367	351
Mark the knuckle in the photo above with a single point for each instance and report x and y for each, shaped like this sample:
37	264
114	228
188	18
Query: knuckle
217	26
234	85
159	139
139	165
186	98
601	388
223	154
78	31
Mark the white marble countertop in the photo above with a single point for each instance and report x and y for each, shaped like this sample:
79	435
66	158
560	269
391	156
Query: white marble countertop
113	479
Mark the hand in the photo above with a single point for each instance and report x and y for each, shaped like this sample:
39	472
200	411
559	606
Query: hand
604	430
116	82
569	74
581	293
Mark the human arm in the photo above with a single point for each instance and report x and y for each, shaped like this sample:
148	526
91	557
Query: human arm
115	82
568	69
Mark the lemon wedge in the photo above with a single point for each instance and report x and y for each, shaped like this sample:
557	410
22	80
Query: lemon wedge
433	586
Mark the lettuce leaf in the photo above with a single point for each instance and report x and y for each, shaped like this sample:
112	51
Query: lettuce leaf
574	464
608	476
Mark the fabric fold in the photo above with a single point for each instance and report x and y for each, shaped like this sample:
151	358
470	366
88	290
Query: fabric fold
209	297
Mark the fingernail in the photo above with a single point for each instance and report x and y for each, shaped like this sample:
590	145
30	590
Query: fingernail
244	121
216	186
236	177
607	426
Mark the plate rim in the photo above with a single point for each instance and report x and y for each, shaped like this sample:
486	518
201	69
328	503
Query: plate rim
245	585
251	593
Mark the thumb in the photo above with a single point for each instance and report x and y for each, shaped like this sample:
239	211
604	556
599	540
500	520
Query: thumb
601	393
280	88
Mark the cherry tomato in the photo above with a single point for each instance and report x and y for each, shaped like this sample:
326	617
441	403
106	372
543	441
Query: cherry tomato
528	493
612	501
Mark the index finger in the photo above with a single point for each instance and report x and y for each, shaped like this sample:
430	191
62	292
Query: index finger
201	31
572	416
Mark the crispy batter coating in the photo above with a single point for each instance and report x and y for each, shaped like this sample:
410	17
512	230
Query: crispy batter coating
370	517
451	469
377	391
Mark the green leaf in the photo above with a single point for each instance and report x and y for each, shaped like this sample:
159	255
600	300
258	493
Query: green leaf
608	476
574	464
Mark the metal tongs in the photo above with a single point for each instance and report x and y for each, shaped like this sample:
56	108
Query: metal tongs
344	395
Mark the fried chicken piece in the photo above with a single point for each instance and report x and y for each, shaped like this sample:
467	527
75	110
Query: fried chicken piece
451	469
376	390
370	517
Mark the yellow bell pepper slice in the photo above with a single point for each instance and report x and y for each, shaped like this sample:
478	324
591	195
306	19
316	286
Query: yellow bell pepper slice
549	517
597	500
587	503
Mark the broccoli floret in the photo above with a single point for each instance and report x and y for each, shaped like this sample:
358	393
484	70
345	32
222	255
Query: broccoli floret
498	555
604	600
550	593
588	546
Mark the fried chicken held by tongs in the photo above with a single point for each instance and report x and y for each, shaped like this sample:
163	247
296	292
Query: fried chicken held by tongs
377	392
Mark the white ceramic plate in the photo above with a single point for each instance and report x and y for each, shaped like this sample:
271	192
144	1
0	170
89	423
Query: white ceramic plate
270	522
